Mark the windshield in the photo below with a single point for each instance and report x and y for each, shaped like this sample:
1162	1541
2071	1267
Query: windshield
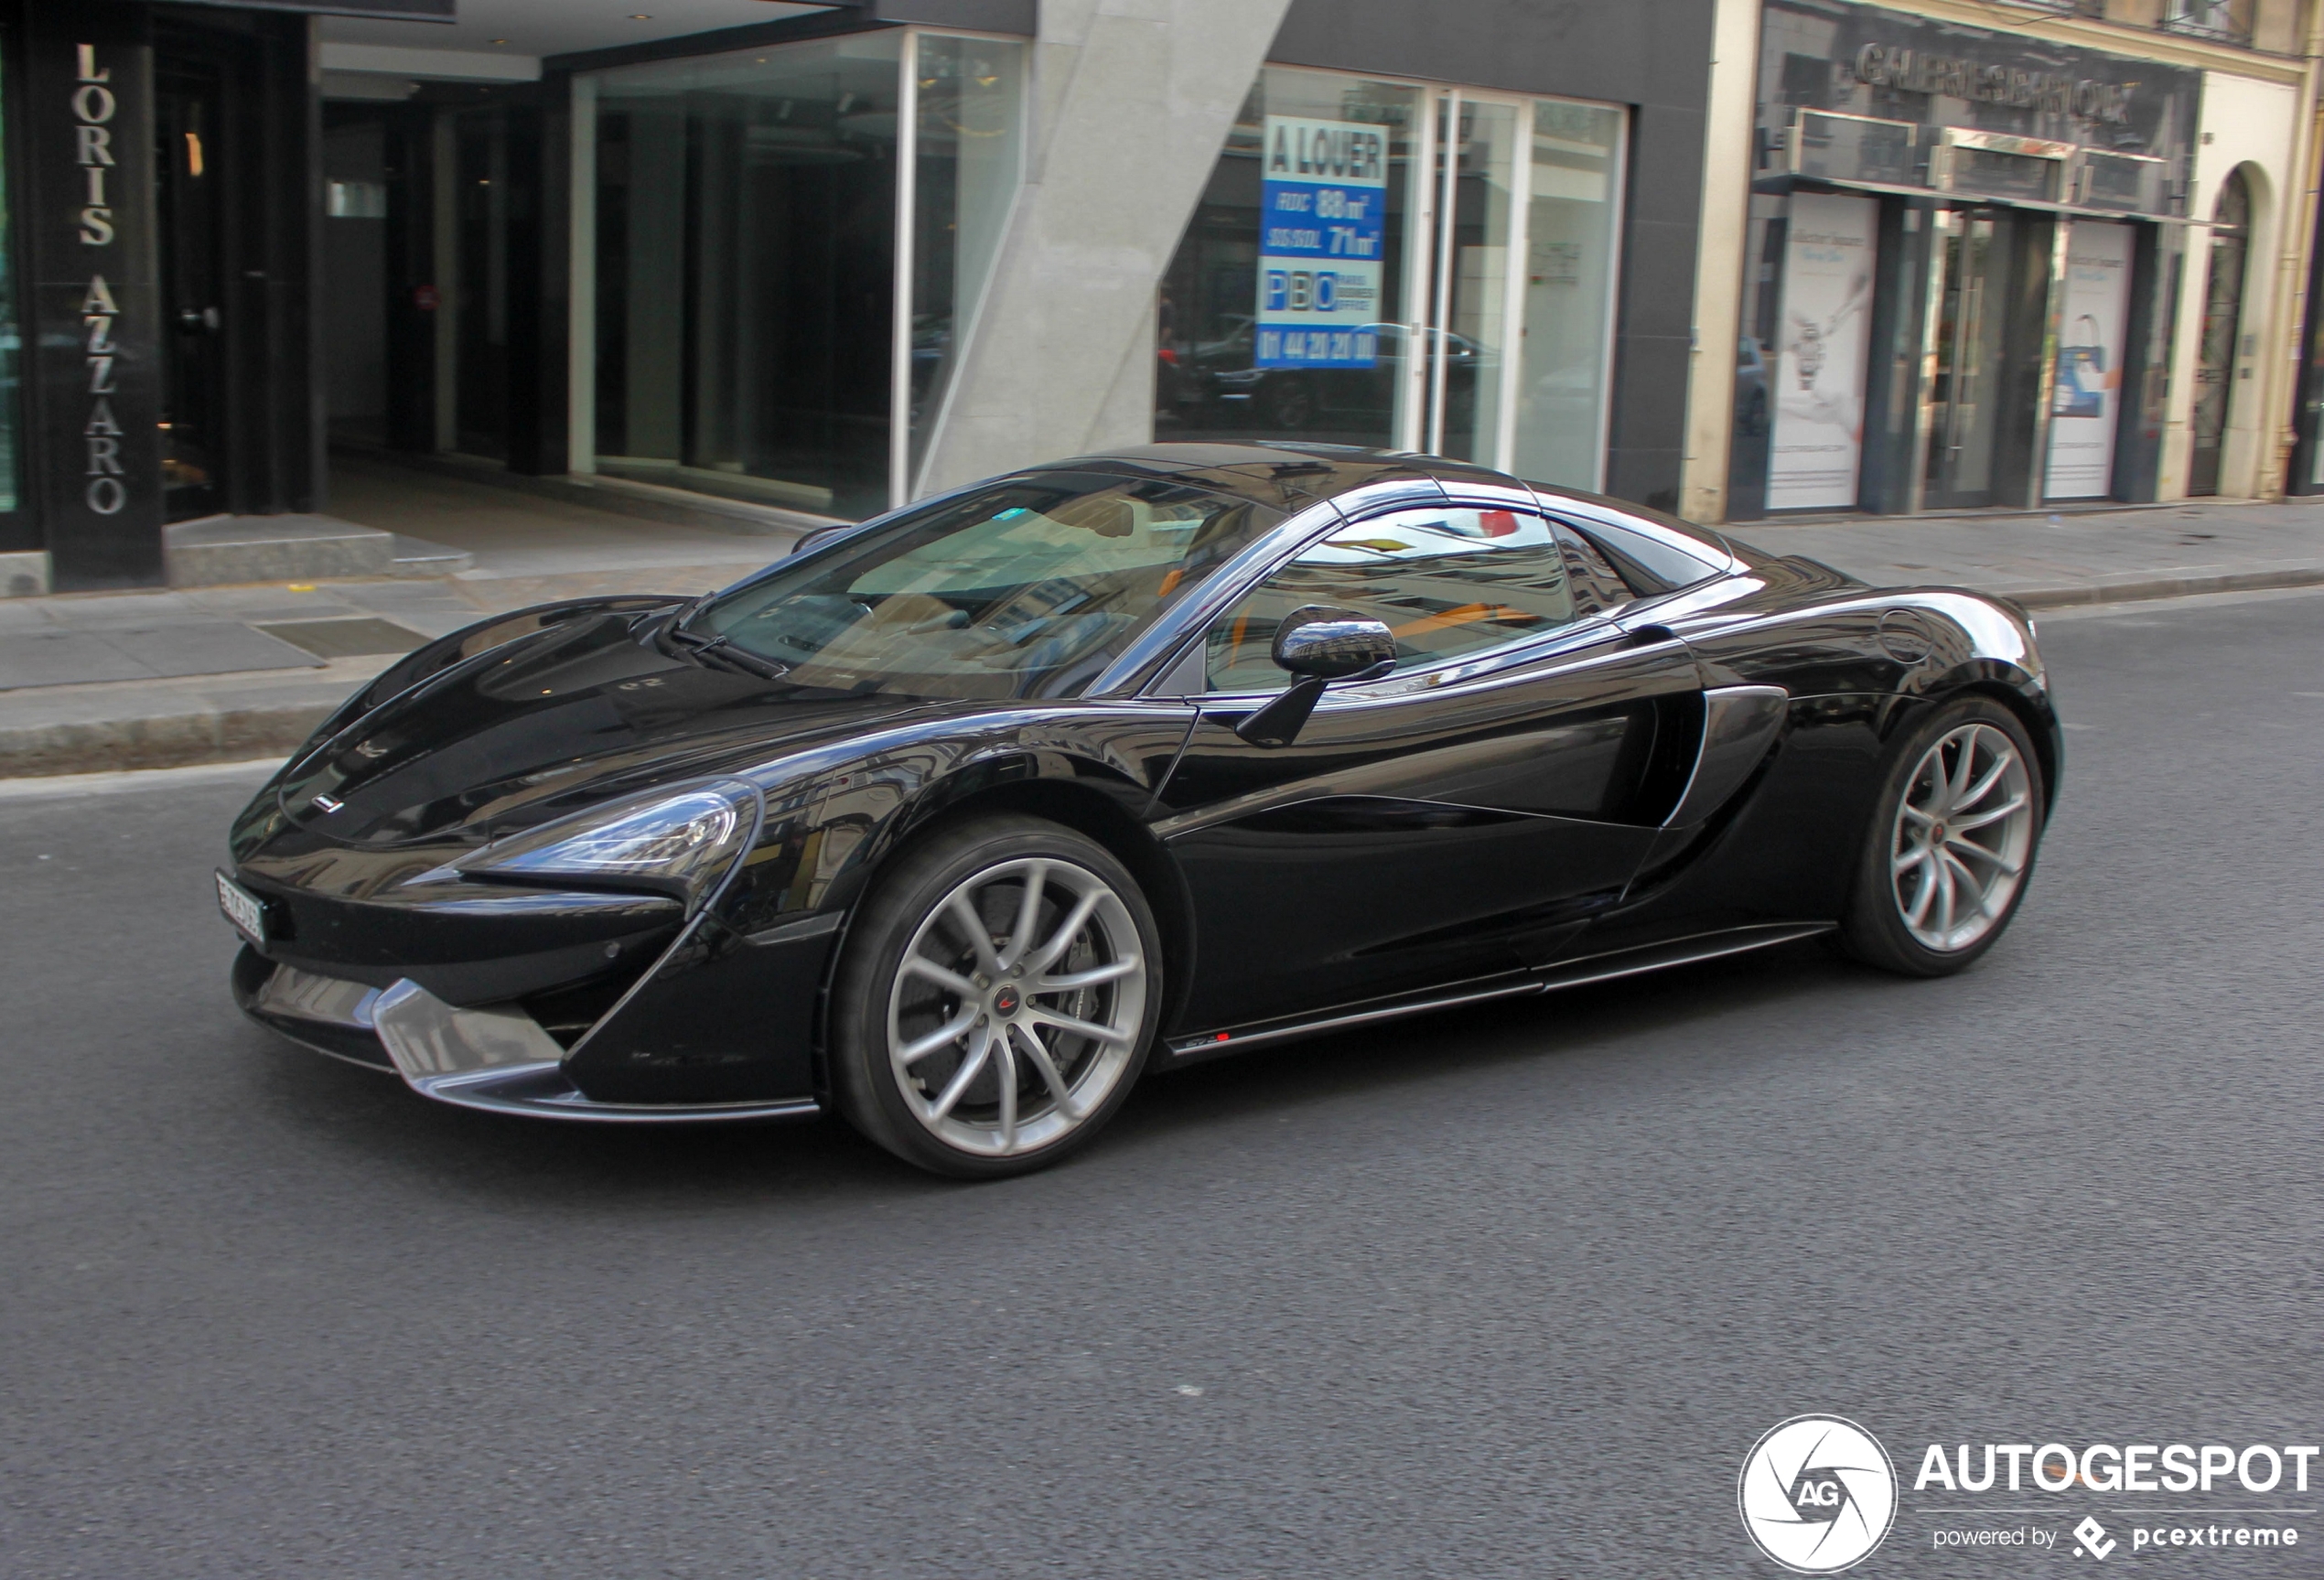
1026	587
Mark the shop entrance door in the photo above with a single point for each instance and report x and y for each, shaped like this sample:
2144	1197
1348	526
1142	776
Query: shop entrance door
2222	326
193	201
1988	313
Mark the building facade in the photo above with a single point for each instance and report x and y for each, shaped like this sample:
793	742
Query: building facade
2003	257
802	262
811	261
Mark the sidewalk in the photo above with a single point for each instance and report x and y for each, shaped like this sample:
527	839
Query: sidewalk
92	683
96	682
2085	557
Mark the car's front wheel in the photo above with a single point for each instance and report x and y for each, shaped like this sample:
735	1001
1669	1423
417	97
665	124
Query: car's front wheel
997	1000
1951	844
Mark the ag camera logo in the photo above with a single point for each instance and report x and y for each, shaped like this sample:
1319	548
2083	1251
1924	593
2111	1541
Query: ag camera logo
1817	1494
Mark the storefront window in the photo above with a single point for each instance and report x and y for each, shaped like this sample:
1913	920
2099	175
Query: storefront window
1572	229
968	159
1293	324
1465	379
1376	264
744	268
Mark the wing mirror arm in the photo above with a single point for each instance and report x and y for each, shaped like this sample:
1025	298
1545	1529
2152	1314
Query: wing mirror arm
1318	646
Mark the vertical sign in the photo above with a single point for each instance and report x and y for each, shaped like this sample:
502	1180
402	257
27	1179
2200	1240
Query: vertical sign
95	300
2086	403
1817	445
1322	226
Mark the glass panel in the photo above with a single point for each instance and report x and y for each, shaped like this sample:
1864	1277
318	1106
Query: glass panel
745	261
1477	277
1449	583
969	157
2007	174
1026	587
2122	181
482	197
1572	225
1854	149
189	200
1279	317
11	352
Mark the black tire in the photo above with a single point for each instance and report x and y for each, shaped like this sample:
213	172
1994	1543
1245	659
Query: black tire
992	859
1880	928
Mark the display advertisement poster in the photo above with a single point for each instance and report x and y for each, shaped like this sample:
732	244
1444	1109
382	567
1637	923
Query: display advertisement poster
1818	439
2086	402
1322	229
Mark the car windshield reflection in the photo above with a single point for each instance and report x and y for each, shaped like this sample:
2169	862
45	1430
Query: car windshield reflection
1025	588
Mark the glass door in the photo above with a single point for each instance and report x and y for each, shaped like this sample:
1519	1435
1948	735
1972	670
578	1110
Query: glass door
1466	332
1515	320
1988	320
190	204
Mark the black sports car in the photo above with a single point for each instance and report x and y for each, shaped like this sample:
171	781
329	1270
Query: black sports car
959	820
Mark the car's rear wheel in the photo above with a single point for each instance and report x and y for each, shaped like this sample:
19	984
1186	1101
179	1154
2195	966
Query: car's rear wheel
1951	843
998	998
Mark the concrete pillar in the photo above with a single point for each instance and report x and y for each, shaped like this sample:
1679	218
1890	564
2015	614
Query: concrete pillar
1131	101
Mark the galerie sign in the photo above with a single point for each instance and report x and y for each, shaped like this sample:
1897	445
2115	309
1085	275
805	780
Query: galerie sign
1993	83
1323	224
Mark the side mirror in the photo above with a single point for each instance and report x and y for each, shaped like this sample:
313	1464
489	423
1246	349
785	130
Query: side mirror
1319	646
1332	645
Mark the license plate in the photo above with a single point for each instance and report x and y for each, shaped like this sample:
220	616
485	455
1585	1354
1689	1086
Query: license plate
243	908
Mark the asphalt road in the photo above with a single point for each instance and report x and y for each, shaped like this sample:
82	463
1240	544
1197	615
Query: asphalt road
1508	1292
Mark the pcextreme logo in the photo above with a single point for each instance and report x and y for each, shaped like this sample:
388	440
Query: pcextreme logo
1818	1494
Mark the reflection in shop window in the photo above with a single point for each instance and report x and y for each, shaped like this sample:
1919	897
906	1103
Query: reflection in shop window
1242	305
1383	264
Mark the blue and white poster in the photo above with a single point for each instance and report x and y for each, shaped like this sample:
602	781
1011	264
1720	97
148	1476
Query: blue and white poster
1323	214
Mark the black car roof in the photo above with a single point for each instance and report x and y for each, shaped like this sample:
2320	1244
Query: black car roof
1259	468
1262	469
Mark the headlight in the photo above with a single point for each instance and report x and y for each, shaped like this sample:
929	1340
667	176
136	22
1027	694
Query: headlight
683	841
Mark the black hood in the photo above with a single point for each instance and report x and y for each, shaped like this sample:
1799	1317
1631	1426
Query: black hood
585	709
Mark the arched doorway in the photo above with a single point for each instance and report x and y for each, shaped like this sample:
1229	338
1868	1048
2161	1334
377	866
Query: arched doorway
2222	325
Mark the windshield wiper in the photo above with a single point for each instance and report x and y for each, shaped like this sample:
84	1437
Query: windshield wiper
722	649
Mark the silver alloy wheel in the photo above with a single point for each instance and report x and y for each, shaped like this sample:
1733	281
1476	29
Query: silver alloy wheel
1016	1007
1964	833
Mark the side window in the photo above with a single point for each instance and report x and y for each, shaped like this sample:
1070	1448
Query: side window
1597	588
1449	582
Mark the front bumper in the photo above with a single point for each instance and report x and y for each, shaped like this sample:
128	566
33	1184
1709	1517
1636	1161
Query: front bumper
493	1057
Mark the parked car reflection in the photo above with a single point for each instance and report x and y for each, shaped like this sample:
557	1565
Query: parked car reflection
1218	374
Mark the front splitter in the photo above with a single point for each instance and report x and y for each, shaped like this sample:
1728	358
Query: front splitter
495	1058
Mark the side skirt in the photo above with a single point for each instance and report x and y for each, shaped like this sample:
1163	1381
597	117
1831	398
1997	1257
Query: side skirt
1609	967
